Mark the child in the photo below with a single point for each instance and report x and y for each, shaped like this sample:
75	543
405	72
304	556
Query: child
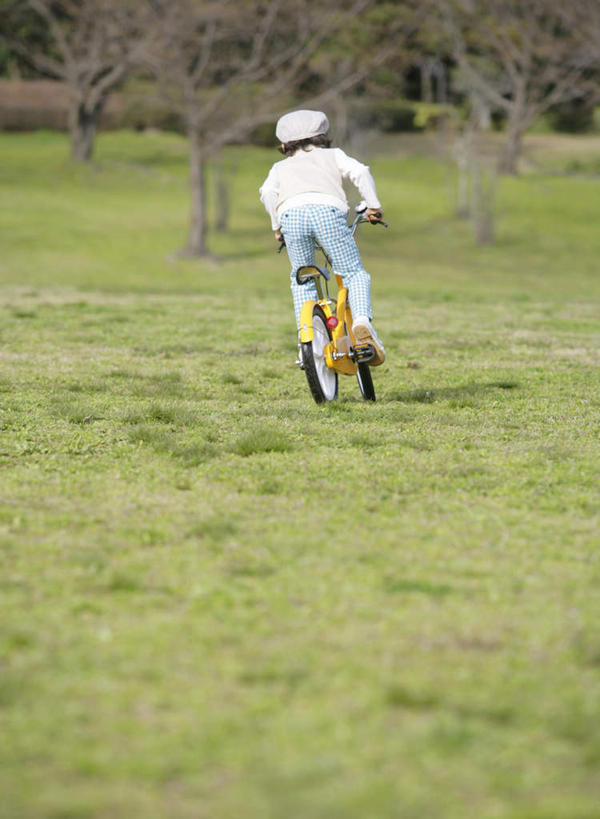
304	197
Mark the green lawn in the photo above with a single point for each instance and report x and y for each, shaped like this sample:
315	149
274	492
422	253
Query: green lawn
219	600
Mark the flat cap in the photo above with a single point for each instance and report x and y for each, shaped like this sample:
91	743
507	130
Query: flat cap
301	125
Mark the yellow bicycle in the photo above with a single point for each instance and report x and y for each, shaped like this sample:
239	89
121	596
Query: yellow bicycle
327	344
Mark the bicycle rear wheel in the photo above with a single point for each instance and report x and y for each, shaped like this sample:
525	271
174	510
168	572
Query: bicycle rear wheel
322	382
365	382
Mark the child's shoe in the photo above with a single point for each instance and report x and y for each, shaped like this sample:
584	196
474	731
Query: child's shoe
365	334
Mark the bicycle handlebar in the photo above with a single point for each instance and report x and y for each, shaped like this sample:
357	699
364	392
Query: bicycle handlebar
378	220
360	218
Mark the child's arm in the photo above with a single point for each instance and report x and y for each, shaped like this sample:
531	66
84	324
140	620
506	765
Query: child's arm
269	196
361	178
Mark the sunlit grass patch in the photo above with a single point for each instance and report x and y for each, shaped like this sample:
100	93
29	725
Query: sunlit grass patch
271	373
172	414
164	385
214	528
135	416
194	453
157	437
270	485
261	439
76	412
231	378
365	441
88	386
163	439
420	445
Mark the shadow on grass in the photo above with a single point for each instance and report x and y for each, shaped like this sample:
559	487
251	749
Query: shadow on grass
431	395
397	585
161	440
261	439
399	696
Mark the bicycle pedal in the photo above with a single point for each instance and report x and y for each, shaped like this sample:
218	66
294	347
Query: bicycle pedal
364	353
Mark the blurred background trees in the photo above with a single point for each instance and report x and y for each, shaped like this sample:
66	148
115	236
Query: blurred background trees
227	67
521	59
481	72
90	45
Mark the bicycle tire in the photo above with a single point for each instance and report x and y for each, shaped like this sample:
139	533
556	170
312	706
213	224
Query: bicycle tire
322	382
365	382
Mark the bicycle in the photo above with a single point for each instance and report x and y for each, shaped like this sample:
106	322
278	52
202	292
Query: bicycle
327	344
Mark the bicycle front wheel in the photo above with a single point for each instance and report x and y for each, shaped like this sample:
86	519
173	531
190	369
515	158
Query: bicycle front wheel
365	382
322	381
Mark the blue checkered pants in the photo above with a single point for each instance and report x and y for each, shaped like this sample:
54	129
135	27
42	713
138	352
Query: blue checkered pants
328	227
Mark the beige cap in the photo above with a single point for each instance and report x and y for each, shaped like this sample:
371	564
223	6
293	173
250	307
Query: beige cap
301	125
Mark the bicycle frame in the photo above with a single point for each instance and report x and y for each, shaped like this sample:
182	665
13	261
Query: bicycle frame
342	353
338	353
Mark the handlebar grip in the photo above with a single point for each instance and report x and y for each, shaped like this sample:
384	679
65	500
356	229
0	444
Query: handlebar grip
378	220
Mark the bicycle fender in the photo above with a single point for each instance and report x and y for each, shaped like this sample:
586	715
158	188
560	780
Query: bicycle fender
306	324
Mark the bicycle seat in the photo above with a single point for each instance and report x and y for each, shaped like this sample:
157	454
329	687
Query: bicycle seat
307	272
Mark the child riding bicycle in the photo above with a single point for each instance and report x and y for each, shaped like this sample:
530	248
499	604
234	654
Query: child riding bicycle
304	196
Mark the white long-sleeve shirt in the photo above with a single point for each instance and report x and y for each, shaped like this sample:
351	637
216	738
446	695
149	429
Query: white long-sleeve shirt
314	177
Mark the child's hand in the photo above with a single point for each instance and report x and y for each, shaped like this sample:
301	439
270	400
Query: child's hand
279	235
374	214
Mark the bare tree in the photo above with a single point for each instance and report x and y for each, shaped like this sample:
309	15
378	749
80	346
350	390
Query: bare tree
229	66
224	168
433	79
95	45
476	175
521	57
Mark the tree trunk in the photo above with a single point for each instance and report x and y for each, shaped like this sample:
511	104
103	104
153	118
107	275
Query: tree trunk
483	202
342	128
221	195
508	160
198	228
475	180
462	153
441	86
426	83
82	129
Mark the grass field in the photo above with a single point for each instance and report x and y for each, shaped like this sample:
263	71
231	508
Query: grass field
221	601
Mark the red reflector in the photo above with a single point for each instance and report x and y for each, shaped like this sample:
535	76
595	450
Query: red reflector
332	322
